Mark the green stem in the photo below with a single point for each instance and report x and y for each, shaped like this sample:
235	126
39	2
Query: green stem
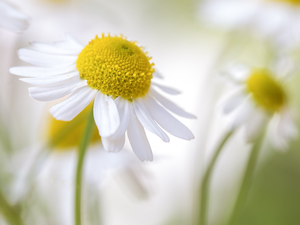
87	135
204	192
247	180
10	214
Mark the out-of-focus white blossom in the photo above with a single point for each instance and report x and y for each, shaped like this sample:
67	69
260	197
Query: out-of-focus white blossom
258	97
11	18
277	20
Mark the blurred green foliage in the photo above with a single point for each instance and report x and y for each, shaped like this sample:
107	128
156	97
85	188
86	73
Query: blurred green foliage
275	196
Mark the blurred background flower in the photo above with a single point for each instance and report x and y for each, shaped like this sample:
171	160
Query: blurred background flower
276	20
12	18
257	94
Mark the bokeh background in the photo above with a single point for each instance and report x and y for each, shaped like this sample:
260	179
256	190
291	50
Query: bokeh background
118	188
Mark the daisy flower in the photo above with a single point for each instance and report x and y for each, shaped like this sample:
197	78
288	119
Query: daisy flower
259	97
11	18
117	74
278	20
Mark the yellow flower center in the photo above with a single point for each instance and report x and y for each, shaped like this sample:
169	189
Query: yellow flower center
63	135
291	2
266	91
116	67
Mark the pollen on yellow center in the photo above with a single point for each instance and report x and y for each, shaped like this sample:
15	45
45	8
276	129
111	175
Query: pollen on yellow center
292	2
266	91
116	67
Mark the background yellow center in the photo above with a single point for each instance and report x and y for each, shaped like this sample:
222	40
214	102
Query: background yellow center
116	67
266	90
293	2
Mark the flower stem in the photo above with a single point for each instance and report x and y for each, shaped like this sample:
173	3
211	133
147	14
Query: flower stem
11	215
247	180
204	191
87	135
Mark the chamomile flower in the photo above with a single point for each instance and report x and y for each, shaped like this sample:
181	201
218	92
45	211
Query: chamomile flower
11	18
278	20
118	75
259	97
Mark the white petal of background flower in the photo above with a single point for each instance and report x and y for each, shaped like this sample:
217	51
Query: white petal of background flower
232	100
241	114
283	129
277	21
255	124
230	13
238	72
12	18
287	126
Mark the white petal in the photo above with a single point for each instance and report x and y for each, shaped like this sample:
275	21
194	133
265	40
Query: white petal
113	145
106	115
283	130
228	14
54	92
285	67
69	43
72	106
66	45
147	121
53	80
72	40
10	10
171	106
166	120
255	124
242	113
123	109
232	100
287	127
271	19
44	59
238	72
157	75
138	139
13	24
168	90
33	71
11	18
52	48
278	141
